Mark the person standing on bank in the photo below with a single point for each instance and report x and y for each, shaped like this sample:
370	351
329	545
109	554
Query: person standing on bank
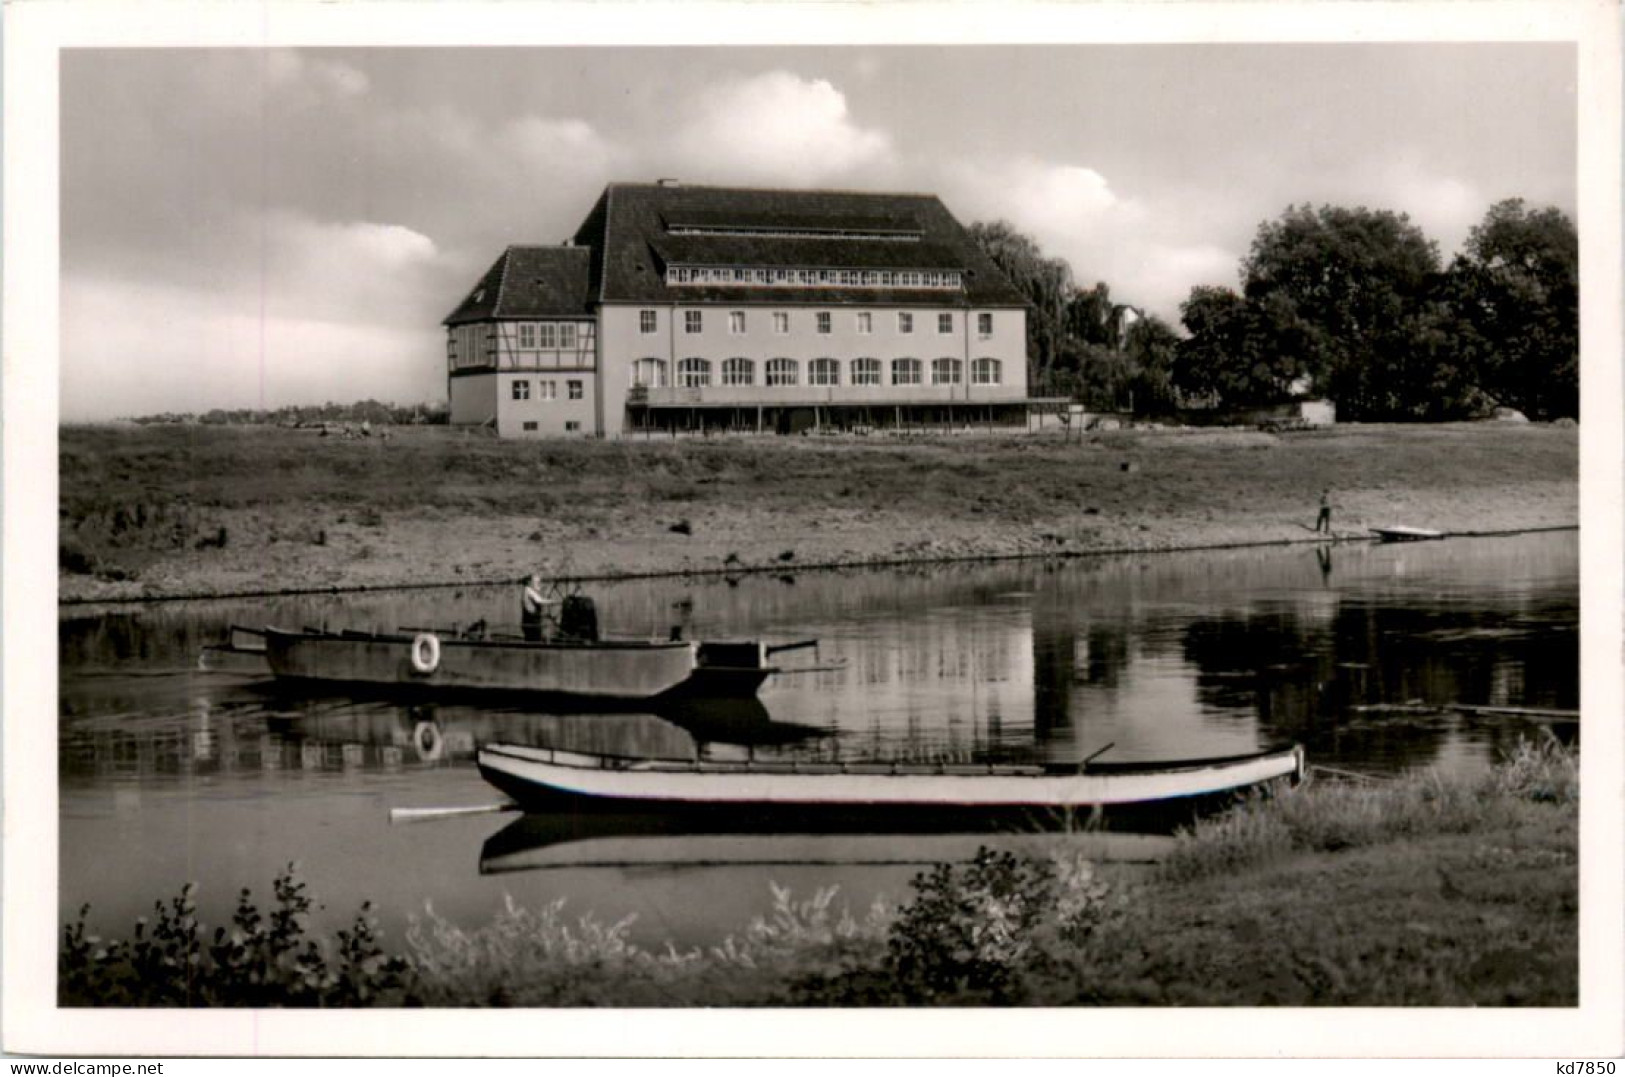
1324	521
531	605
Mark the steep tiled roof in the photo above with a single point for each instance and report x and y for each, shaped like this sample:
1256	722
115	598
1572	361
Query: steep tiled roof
531	282
629	231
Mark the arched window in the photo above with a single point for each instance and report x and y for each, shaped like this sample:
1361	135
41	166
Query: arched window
986	371
694	373
738	372
824	372
947	372
649	373
905	372
866	372
783	372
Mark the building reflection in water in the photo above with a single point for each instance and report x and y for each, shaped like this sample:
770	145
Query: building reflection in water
1159	656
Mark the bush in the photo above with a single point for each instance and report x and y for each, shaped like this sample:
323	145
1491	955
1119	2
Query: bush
1331	816
71	556
545	958
257	961
973	932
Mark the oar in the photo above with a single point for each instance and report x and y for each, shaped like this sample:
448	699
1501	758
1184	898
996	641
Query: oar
1109	746
796	646
421	815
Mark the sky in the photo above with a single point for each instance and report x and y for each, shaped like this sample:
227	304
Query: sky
260	227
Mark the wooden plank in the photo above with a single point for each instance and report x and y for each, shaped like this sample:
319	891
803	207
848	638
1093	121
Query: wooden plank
1540	713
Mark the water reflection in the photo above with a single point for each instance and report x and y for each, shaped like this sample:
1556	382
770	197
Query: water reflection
168	772
1164	656
553	842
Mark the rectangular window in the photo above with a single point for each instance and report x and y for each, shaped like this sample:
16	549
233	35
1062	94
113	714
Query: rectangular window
521	390
823	321
527	336
945	323
547	390
781	322
549	336
693	322
736	322
647	322
866	322
571	426
984	325
905	322
574	388
567	335
529	425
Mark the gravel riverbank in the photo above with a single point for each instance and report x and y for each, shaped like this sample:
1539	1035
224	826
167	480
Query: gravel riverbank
197	511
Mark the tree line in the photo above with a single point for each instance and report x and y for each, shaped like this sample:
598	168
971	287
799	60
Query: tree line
1351	305
363	411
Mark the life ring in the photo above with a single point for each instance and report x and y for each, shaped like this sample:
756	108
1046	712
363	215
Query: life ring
426	739
426	652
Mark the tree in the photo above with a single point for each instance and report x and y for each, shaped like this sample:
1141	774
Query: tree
1151	345
1246	352
1046	282
1516	289
1341	284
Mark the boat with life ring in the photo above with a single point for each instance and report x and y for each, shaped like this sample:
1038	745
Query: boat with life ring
442	663
550	779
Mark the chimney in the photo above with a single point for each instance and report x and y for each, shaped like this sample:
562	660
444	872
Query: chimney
668	181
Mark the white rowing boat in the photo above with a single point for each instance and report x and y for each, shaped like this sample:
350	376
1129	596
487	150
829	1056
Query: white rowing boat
548	778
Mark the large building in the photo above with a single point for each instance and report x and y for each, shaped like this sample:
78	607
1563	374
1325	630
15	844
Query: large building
683	308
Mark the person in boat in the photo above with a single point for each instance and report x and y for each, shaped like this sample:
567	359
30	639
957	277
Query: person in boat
533	608
1324	521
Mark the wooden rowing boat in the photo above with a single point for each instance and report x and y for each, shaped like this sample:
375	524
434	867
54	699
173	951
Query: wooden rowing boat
242	652
1399	533
545	778
428	663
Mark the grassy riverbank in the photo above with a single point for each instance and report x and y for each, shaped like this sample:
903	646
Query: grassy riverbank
203	510
1425	891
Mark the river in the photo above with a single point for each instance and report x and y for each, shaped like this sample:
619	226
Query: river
169	773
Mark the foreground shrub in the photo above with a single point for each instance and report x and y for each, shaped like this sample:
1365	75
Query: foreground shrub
1332	816
972	933
545	958
1419	915
1545	772
259	960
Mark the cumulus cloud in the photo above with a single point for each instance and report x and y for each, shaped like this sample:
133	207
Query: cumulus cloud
776	127
314	79
341	270
229	355
1057	198
1150	250
1444	207
300	309
542	145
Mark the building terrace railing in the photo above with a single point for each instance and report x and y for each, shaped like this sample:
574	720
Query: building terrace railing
751	395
